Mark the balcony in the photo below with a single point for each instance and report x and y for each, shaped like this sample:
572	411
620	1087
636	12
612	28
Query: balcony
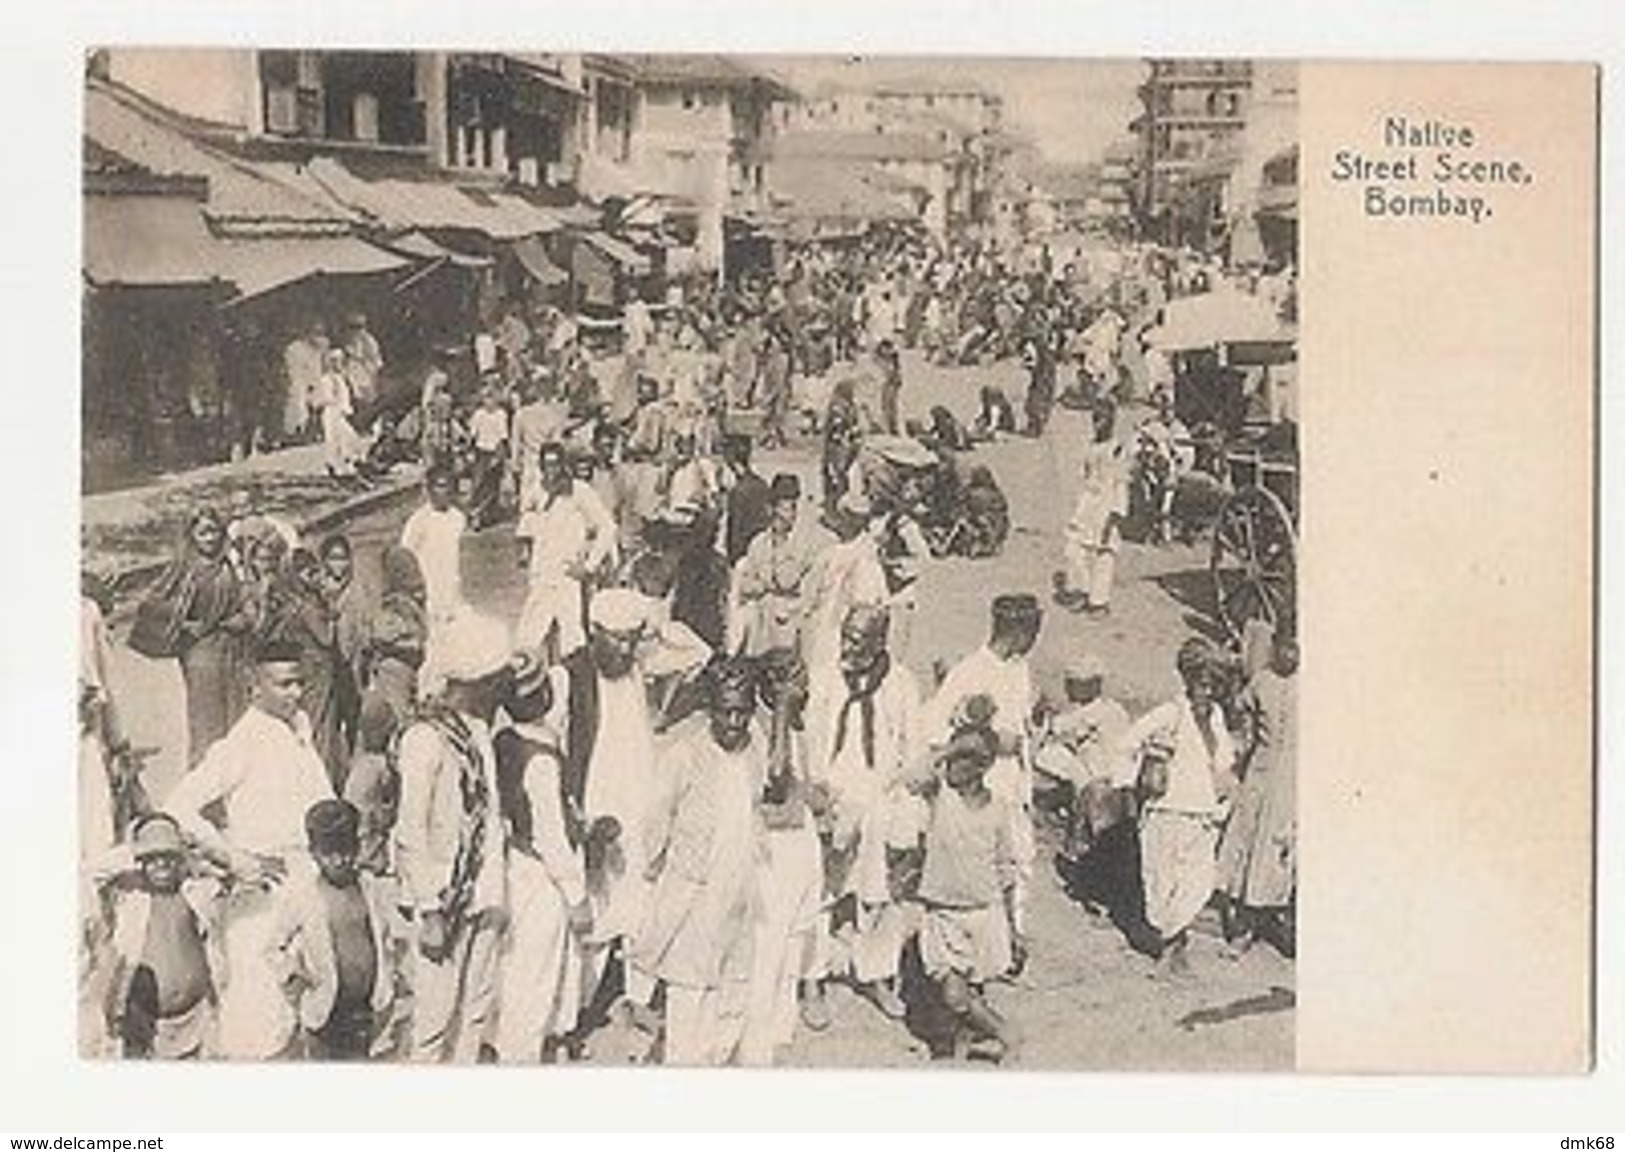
1199	73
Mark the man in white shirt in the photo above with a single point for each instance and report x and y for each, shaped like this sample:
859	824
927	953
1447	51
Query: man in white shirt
449	844
302	363
363	360
637	326
264	774
434	535
569	537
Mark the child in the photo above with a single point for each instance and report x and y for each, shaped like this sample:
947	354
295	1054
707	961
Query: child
488	428
161	1000
1078	752
331	944
967	890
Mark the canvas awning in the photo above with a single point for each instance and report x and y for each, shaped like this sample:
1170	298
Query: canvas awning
510	217
1213	318
146	241
533	258
244	197
259	266
622	253
399	204
421	247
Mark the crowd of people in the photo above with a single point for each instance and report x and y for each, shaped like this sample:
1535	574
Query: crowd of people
695	781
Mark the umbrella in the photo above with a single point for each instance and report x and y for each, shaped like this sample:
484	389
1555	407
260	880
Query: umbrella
1212	318
902	451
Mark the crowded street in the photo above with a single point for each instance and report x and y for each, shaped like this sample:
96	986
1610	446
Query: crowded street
878	650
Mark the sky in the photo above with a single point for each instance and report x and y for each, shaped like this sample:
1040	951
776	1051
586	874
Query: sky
1073	109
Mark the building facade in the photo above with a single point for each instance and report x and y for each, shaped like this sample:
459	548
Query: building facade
1192	112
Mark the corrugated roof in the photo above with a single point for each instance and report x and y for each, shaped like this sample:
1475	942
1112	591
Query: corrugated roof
707	69
242	198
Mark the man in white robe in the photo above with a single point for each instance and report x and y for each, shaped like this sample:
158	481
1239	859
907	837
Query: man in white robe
610	769
864	738
1183	762
547	885
703	850
449	844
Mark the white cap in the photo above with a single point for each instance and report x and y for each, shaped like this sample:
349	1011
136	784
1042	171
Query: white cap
619	609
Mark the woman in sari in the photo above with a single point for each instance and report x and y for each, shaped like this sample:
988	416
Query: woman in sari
312	624
213	618
397	636
352	615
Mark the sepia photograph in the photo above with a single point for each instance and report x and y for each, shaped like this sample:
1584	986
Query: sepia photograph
690	560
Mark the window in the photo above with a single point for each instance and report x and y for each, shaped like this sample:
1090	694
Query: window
691	100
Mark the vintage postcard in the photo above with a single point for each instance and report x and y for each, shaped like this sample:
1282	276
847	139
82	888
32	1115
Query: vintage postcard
883	563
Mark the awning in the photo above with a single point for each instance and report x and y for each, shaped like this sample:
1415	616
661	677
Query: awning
623	254
243	196
508	217
1213	318
401	204
421	247
533	259
146	241
258	266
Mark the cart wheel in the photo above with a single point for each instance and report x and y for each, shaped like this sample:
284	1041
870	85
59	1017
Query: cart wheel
1254	562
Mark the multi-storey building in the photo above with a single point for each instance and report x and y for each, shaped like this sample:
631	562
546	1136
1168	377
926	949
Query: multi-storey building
1192	111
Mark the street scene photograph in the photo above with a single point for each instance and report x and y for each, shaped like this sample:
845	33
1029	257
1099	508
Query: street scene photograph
689	560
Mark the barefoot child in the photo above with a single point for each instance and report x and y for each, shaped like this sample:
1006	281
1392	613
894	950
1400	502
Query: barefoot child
331	944
968	889
161	1002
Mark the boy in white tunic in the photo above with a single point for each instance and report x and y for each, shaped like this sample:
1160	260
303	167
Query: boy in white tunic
1092	536
1000	672
968	887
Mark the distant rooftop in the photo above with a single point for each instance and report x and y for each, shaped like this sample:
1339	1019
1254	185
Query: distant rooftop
855	145
708	69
